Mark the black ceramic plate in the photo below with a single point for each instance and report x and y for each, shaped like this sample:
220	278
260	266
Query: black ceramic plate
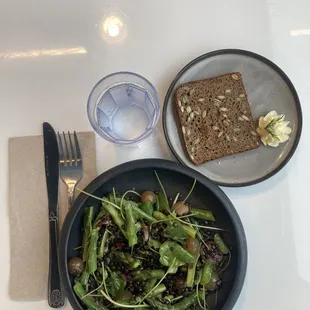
176	178
268	89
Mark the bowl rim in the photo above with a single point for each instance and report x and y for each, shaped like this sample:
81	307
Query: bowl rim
159	164
269	63
154	96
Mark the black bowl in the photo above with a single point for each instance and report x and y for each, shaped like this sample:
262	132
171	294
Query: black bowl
176	179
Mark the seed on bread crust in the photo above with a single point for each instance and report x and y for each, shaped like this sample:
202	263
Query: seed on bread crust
240	119
220	134
192	92
179	103
185	99
241	95
227	138
204	114
245	117
228	91
224	109
182	109
235	77
183	129
221	97
201	99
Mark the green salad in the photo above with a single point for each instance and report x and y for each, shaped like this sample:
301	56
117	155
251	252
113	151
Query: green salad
145	250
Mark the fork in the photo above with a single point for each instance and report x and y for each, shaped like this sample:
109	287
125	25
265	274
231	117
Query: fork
70	162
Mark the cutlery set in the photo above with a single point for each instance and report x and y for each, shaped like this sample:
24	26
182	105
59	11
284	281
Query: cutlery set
62	157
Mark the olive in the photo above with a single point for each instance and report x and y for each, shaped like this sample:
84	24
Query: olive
192	245
148	196
180	208
76	266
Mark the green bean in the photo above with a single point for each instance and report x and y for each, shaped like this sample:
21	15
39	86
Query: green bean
163	202
128	259
102	244
149	285
157	203
88	217
221	244
143	275
191	231
158	290
88	301
147	207
84	278
206	273
101	214
143	215
182	305
159	215
92	251
116	217
130	227
203	214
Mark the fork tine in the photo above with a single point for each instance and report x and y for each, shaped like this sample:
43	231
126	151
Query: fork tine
60	151
73	153
77	148
67	154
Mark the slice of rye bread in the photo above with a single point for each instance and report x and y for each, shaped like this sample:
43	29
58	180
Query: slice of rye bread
215	118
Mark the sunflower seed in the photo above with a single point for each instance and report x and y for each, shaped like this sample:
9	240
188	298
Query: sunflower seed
182	109
197	112
192	92
192	157
201	99
225	123
238	99
253	133
215	128
235	139
192	115
223	109
245	117
228	91
193	149
227	138
241	95
204	114
179	103
188	132
189	119
197	141
220	134
185	99
225	115
221	97
236	129
188	109
235	77
217	104
183	129
245	112
217	101
240	119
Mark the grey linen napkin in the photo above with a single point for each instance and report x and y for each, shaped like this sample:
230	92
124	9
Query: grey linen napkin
28	212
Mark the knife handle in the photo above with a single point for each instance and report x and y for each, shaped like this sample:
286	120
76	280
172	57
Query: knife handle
55	294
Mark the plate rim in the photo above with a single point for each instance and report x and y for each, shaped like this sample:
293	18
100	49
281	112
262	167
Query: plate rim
268	63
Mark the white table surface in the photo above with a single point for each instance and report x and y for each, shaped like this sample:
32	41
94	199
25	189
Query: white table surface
51	54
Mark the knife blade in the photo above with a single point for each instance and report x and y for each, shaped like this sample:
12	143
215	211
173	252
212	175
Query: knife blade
51	159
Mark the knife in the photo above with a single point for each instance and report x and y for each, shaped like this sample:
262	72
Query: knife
51	159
